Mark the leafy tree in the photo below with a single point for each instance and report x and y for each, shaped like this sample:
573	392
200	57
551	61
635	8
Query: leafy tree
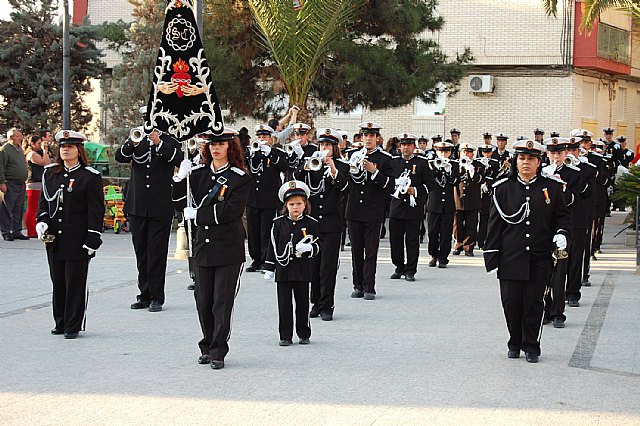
132	79
31	67
380	60
593	8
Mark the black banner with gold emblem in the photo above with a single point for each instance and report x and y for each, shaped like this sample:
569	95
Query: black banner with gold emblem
183	101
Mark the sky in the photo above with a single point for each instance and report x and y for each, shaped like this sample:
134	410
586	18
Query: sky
5	9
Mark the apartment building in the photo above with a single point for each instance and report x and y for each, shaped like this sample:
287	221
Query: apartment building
530	71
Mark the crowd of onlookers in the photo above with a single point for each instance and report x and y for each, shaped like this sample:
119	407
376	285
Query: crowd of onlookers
22	162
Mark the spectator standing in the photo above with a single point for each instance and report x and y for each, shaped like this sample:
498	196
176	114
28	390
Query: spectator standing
13	175
37	156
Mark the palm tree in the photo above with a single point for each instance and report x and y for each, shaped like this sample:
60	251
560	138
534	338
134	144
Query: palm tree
593	8
300	40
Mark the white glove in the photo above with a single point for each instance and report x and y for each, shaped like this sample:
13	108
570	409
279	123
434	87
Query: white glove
266	149
190	213
303	247
560	241
89	251
550	169
582	159
269	275
41	229
470	169
609	190
298	150
183	171
447	168
484	188
402	181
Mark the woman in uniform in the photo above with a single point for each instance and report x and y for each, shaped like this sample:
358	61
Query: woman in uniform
327	177
528	219
219	190
70	223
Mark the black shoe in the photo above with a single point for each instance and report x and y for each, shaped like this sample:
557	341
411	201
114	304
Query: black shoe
57	331
326	316
191	286
546	320
442	264
586	283
531	357
573	303
204	359
263	268
593	257
347	244
315	312
456	252
369	296
285	343
70	334
304	341
599	251
20	237
8	237
513	354
410	277
558	323
252	268
357	294
469	253
140	304
433	262
155	306
217	364
395	276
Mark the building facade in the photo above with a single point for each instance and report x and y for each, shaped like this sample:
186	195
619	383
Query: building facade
530	71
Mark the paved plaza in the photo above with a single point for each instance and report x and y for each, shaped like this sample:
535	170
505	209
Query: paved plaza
428	352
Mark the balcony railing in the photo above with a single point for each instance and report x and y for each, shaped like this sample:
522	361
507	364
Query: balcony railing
614	44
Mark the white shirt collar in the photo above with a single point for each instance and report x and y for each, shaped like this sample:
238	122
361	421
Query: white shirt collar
221	169
76	167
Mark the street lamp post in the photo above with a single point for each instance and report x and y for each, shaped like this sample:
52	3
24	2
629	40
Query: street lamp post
66	69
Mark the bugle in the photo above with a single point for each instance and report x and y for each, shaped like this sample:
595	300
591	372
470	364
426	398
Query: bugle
356	162
290	148
316	161
136	135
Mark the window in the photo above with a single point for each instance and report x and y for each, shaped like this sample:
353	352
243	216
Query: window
614	44
621	100
424	109
589	100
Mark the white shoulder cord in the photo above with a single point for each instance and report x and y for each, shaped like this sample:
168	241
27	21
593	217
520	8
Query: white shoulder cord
255	170
524	211
314	190
284	257
360	177
56	196
144	158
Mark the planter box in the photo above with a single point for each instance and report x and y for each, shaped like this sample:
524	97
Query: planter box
630	238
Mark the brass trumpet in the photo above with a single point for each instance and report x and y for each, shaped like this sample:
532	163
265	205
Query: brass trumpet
570	160
440	163
136	135
356	162
192	145
255	146
316	161
290	147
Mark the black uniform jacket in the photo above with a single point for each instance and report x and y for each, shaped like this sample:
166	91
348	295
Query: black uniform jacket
326	194
523	221
467	192
574	186
441	185
281	257
149	193
266	180
501	157
418	167
626	157
72	205
219	233
369	191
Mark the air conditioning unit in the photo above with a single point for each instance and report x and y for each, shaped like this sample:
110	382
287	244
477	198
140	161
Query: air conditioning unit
481	83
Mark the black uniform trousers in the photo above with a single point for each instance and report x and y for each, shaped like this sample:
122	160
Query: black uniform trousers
192	266
586	263
465	229
259	223
324	269
215	292
523	305
555	297
405	232
483	223
150	237
577	250
365	240
70	294
300	292
598	231
440	226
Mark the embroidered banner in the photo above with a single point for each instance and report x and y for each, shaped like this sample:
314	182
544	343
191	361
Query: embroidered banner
183	101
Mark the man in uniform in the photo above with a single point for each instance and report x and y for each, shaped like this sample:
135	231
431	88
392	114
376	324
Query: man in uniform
468	202
265	165
407	206
444	176
538	135
627	155
302	148
455	140
491	169
529	218
573	187
369	185
486	138
150	210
